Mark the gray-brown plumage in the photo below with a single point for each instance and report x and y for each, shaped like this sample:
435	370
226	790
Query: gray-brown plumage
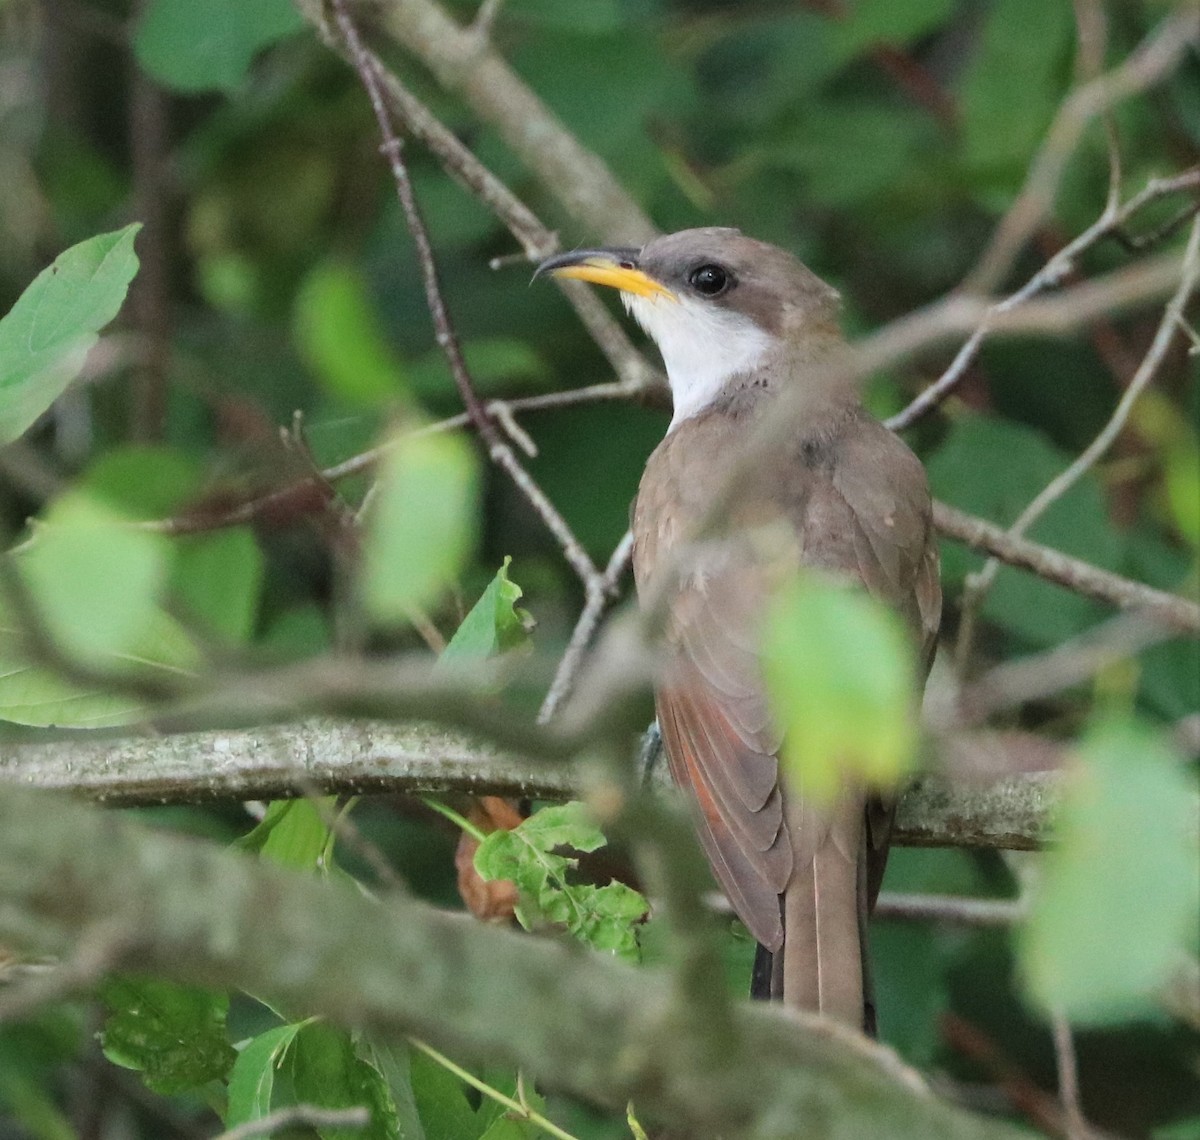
739	322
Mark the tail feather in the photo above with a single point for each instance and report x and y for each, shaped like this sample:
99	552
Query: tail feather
820	966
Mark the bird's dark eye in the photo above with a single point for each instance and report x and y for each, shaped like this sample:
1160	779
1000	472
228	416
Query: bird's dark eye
710	280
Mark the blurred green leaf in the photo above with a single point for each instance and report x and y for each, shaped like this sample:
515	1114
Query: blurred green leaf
494	624
496	364
32	694
219	578
94	577
421	524
203	45
1026	47
863	24
141	481
46	335
174	1035
252	1078
840	674
1120	893
340	336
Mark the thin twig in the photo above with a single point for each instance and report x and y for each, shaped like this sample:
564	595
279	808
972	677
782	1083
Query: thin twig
1149	63
1073	573
299	1114
598	598
1042	675
950	909
1110	223
979	584
498	449
1074	1123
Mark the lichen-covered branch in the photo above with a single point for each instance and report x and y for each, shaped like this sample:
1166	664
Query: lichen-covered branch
349	757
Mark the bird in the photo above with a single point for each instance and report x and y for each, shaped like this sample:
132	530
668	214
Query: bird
742	326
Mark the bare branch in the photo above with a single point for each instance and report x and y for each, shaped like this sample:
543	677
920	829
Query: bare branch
297	1114
950	909
1073	573
1151	62
349	757
979	584
598	600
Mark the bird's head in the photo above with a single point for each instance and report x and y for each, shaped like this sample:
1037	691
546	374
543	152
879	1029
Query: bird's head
718	304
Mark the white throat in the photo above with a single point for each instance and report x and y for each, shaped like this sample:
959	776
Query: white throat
702	346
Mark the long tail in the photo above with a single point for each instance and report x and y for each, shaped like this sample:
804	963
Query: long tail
821	966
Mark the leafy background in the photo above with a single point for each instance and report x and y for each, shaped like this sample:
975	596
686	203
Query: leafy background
277	275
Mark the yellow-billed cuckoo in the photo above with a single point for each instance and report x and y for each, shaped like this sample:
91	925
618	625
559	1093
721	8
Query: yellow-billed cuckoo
739	322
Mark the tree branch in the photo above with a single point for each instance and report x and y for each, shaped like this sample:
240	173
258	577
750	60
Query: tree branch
199	915
351	757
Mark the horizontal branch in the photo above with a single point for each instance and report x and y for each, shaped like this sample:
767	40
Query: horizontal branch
192	913
352	757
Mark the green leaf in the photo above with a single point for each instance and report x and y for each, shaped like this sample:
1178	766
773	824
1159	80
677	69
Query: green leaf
446	1114
394	1063
174	1035
420	528
339	335
604	917
201	45
495	363
142	482
1120	890
292	834
840	675
252	1078
95	578
31	694
864	24
219	578
48	333
494	623
963	471
327	1071
1025	42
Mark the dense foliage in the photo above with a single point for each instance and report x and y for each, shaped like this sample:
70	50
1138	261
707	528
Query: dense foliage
220	161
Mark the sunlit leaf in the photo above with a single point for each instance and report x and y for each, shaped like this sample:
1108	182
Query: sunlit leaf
420	527
839	671
200	45
47	334
1120	893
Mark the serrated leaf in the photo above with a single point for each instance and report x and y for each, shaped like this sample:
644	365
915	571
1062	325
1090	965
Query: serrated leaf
421	525
1120	891
839	672
494	623
252	1079
48	333
200	45
174	1035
